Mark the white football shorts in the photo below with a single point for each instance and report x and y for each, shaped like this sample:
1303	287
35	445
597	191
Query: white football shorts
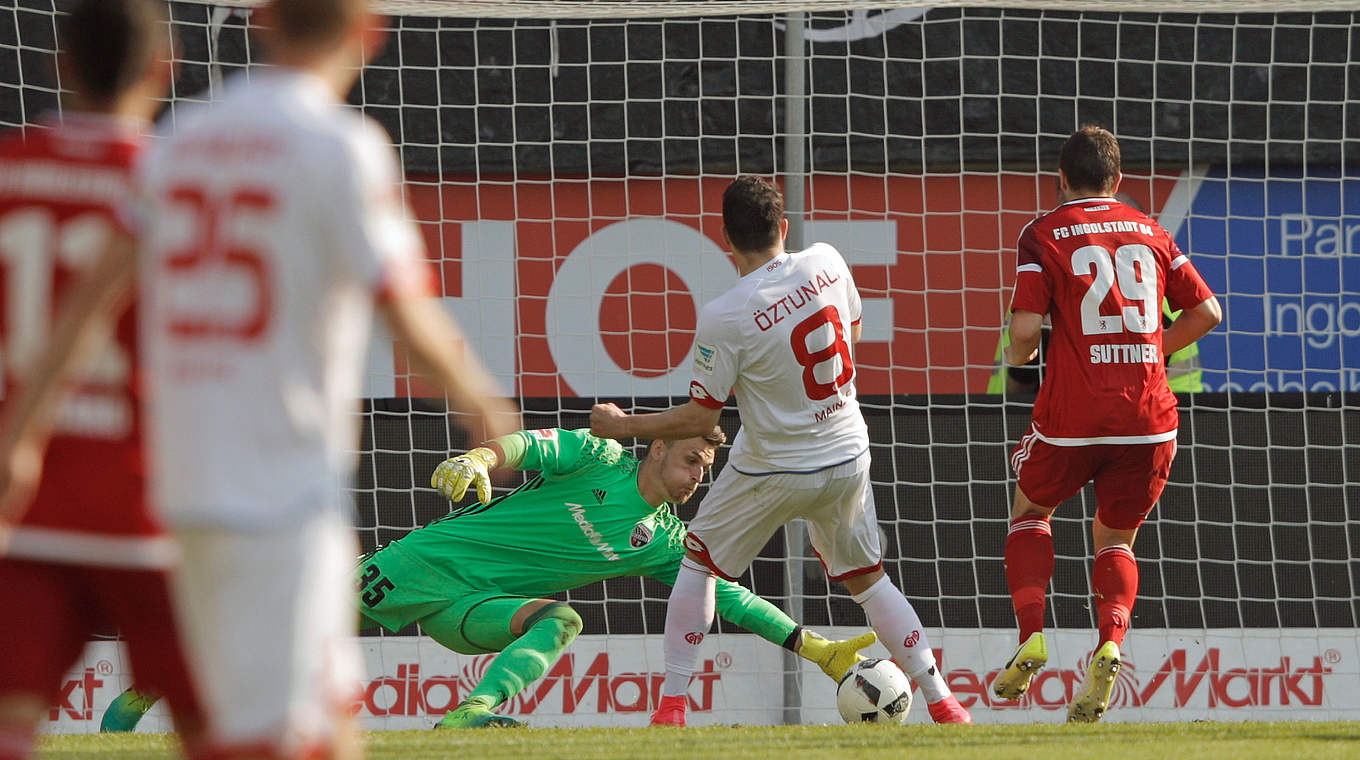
269	622
741	512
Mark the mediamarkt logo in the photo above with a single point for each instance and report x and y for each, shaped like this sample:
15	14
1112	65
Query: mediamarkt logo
594	688
1186	682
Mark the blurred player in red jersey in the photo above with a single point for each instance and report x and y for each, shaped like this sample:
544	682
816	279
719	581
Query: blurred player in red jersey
271	227
1100	269
88	553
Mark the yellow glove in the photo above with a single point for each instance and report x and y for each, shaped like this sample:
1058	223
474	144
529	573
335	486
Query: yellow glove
834	657
453	476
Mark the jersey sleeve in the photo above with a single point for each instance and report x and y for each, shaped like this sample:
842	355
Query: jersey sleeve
1185	288
374	237
739	605
1033	284
555	451
716	360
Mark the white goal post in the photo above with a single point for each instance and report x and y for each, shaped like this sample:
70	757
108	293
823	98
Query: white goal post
565	160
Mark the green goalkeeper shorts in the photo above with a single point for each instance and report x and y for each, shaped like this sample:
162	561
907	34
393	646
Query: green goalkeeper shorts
397	589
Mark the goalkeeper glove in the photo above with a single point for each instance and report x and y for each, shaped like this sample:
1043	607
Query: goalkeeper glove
834	657
453	476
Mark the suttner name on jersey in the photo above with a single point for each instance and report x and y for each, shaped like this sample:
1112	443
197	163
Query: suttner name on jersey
780	340
580	520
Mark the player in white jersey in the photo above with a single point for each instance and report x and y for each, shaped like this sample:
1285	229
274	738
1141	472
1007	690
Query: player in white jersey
271	224
781	340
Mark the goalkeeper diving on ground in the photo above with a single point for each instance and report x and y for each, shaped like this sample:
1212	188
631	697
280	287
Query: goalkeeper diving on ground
476	579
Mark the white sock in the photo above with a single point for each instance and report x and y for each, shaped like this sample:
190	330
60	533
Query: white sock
689	615
899	628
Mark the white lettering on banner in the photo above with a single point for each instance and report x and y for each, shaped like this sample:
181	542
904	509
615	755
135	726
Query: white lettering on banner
1303	235
863	242
1319	322
578	289
485	311
1290	381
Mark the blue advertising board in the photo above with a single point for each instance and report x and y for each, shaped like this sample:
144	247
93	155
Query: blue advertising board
1281	248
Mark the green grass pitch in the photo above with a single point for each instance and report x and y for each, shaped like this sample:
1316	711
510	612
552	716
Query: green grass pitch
1109	741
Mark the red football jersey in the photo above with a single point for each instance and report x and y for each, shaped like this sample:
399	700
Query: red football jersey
60	188
1100	269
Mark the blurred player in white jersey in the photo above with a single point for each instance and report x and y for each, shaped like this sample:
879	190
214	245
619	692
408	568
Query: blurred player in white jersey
271	223
87	552
781	340
1101	270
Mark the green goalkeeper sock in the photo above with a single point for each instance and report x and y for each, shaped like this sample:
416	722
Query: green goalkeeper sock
527	658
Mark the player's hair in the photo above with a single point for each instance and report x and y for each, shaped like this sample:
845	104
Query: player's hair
109	45
1090	158
752	211
314	22
716	437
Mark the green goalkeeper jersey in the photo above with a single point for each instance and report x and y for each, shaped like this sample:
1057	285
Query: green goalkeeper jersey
580	520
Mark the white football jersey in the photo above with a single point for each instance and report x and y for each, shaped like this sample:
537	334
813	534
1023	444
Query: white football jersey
272	221
780	340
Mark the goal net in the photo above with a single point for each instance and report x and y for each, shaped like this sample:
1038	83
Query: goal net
566	162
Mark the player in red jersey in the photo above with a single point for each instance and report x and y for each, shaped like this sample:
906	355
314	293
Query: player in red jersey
1099	269
87	553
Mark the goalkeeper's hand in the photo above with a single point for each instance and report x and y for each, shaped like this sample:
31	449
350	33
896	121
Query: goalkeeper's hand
453	476
834	657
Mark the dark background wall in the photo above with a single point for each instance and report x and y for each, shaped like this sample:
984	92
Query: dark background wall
984	89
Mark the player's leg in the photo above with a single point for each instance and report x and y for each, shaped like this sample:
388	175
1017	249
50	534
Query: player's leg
1127	488
56	620
1029	568
1047	475
530	635
139	603
270	616
689	616
843	530
733	524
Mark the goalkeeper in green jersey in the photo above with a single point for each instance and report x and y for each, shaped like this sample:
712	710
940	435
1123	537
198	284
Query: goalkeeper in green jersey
475	580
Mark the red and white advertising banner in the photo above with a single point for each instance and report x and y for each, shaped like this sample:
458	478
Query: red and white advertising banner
1168	675
590	287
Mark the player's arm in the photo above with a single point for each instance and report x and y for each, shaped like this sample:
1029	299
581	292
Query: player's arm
690	420
1026	328
1185	285
92	305
1191	325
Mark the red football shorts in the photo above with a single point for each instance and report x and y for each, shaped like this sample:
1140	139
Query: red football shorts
64	605
1129	478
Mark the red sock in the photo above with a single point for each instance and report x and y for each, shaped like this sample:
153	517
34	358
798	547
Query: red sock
1029	568
1114	581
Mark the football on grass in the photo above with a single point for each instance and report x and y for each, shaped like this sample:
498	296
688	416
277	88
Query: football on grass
874	691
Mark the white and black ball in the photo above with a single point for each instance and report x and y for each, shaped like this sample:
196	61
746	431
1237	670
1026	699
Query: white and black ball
874	691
